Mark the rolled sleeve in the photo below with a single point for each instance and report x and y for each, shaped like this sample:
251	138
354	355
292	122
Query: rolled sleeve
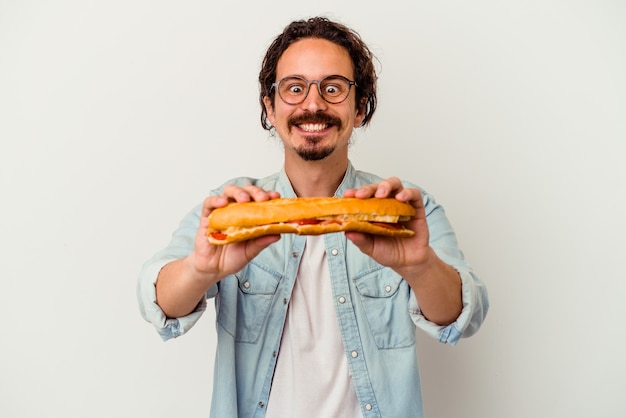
146	294
180	246
475	306
474	292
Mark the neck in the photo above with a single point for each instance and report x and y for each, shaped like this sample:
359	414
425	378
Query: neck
315	178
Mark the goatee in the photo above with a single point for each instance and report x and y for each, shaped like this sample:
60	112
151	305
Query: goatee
317	154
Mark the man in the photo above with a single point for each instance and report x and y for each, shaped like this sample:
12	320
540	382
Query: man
316	326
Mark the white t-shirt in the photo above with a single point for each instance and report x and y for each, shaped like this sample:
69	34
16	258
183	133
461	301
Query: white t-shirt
311	379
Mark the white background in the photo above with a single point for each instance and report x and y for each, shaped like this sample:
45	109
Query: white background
117	117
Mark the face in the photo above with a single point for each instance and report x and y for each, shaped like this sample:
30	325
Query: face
314	129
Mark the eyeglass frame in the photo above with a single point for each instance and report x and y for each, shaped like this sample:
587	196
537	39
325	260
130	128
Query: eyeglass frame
319	87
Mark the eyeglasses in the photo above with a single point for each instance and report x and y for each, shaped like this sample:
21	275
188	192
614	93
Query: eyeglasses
293	89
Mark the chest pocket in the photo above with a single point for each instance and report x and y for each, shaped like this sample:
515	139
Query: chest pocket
385	299
245	299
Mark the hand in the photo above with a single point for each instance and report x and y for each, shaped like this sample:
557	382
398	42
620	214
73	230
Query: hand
405	255
437	285
182	283
214	262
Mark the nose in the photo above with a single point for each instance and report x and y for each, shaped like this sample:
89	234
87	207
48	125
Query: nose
314	101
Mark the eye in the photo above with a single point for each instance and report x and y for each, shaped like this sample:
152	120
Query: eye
292	86
332	89
296	89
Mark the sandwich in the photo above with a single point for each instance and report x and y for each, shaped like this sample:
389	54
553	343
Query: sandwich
308	216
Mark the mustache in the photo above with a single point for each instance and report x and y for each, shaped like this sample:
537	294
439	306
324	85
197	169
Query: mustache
320	117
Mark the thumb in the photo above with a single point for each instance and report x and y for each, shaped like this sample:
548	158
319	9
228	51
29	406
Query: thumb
364	242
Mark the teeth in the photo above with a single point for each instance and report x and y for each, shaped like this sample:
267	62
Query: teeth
313	127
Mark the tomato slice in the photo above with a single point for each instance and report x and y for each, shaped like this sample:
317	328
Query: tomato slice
218	236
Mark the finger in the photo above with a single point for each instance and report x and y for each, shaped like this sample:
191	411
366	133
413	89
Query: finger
236	193
247	193
364	242
365	191
255	246
259	194
409	195
388	187
349	193
211	203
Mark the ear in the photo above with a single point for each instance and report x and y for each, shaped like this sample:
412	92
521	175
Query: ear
269	109
360	112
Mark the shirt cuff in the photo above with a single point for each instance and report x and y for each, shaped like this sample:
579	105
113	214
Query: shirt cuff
467	322
146	293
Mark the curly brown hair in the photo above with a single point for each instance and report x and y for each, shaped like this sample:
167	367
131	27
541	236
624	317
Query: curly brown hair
323	28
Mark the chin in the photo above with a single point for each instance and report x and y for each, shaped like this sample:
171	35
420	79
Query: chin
314	154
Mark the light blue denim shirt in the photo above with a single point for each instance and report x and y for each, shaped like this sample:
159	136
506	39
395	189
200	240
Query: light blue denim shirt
376	309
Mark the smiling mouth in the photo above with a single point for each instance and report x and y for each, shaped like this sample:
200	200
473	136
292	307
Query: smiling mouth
314	123
313	127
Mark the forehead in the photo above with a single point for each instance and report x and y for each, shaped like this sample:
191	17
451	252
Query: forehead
314	58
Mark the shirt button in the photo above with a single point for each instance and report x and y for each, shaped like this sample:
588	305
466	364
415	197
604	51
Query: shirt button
334	251
294	254
388	288
342	299
368	407
354	354
246	285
